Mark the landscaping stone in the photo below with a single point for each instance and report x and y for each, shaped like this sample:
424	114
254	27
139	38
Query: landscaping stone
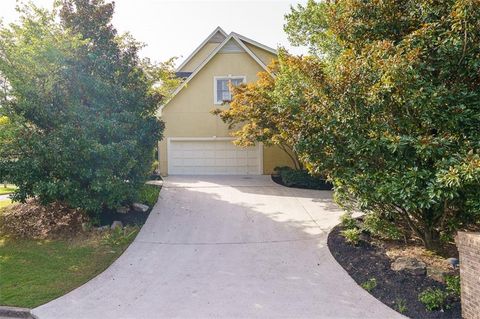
437	274
140	207
102	228
85	227
454	262
410	265
116	224
122	210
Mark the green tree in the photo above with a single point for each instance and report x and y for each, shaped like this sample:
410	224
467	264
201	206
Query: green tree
391	109
254	114
84	105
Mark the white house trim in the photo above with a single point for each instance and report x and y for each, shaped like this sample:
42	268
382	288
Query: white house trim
214	52
255	43
228	77
218	29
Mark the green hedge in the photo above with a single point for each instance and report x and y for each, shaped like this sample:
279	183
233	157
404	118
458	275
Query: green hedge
301	179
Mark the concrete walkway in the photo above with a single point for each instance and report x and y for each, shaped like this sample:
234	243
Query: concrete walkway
226	247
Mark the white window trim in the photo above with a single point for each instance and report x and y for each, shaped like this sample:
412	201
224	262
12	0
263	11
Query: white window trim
224	77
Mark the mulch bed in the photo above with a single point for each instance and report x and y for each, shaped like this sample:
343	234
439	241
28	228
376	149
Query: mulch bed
325	187
131	218
33	220
367	261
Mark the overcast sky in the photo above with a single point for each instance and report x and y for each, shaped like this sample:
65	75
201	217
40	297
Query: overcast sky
175	28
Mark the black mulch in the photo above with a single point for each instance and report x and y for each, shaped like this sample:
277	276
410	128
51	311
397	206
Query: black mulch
326	186
366	261
131	218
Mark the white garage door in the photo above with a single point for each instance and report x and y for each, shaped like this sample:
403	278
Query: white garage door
212	157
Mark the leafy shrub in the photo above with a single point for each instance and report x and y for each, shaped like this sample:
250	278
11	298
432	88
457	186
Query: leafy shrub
434	299
370	284
302	179
379	226
85	132
352	236
347	221
148	195
401	305
120	236
453	285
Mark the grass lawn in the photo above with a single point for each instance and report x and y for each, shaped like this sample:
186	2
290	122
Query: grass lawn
6	190
34	272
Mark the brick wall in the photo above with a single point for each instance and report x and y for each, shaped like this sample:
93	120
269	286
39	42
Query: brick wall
468	245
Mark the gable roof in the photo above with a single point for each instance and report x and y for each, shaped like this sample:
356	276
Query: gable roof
232	37
217	36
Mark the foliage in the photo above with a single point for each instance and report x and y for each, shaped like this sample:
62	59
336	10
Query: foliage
254	114
381	227
370	284
347	221
301	178
453	285
83	105
352	235
149	195
388	107
401	305
59	267
434	299
120	236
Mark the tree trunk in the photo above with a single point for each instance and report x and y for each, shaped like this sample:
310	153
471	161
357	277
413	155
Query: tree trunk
431	240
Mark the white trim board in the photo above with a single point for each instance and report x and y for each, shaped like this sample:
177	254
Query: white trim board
218	29
210	56
255	43
227	77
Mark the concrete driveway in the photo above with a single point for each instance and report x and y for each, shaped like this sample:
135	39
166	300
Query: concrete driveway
226	247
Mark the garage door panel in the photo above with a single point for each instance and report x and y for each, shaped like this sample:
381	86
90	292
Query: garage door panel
212	157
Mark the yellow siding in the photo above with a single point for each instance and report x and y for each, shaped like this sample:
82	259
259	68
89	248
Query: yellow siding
198	58
265	56
188	114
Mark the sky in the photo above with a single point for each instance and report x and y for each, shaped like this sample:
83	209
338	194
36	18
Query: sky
175	28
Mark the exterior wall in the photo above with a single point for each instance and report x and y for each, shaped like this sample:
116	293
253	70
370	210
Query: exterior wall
469	248
199	57
265	56
189	113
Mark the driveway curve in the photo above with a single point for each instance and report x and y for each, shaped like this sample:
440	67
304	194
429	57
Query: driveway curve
226	247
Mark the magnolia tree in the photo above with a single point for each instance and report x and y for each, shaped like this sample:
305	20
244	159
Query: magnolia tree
393	108
387	106
82	104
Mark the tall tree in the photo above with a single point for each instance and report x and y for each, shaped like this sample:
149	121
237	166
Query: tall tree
391	107
86	105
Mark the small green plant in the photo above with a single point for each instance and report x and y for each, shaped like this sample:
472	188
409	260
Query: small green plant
401	305
352	236
120	236
370	284
149	195
434	299
347	221
381	227
453	285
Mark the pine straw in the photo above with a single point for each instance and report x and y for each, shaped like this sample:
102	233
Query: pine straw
33	220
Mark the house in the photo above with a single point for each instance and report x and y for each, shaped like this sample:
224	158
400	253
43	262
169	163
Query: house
197	142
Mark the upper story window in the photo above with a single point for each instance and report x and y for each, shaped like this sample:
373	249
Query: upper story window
222	87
